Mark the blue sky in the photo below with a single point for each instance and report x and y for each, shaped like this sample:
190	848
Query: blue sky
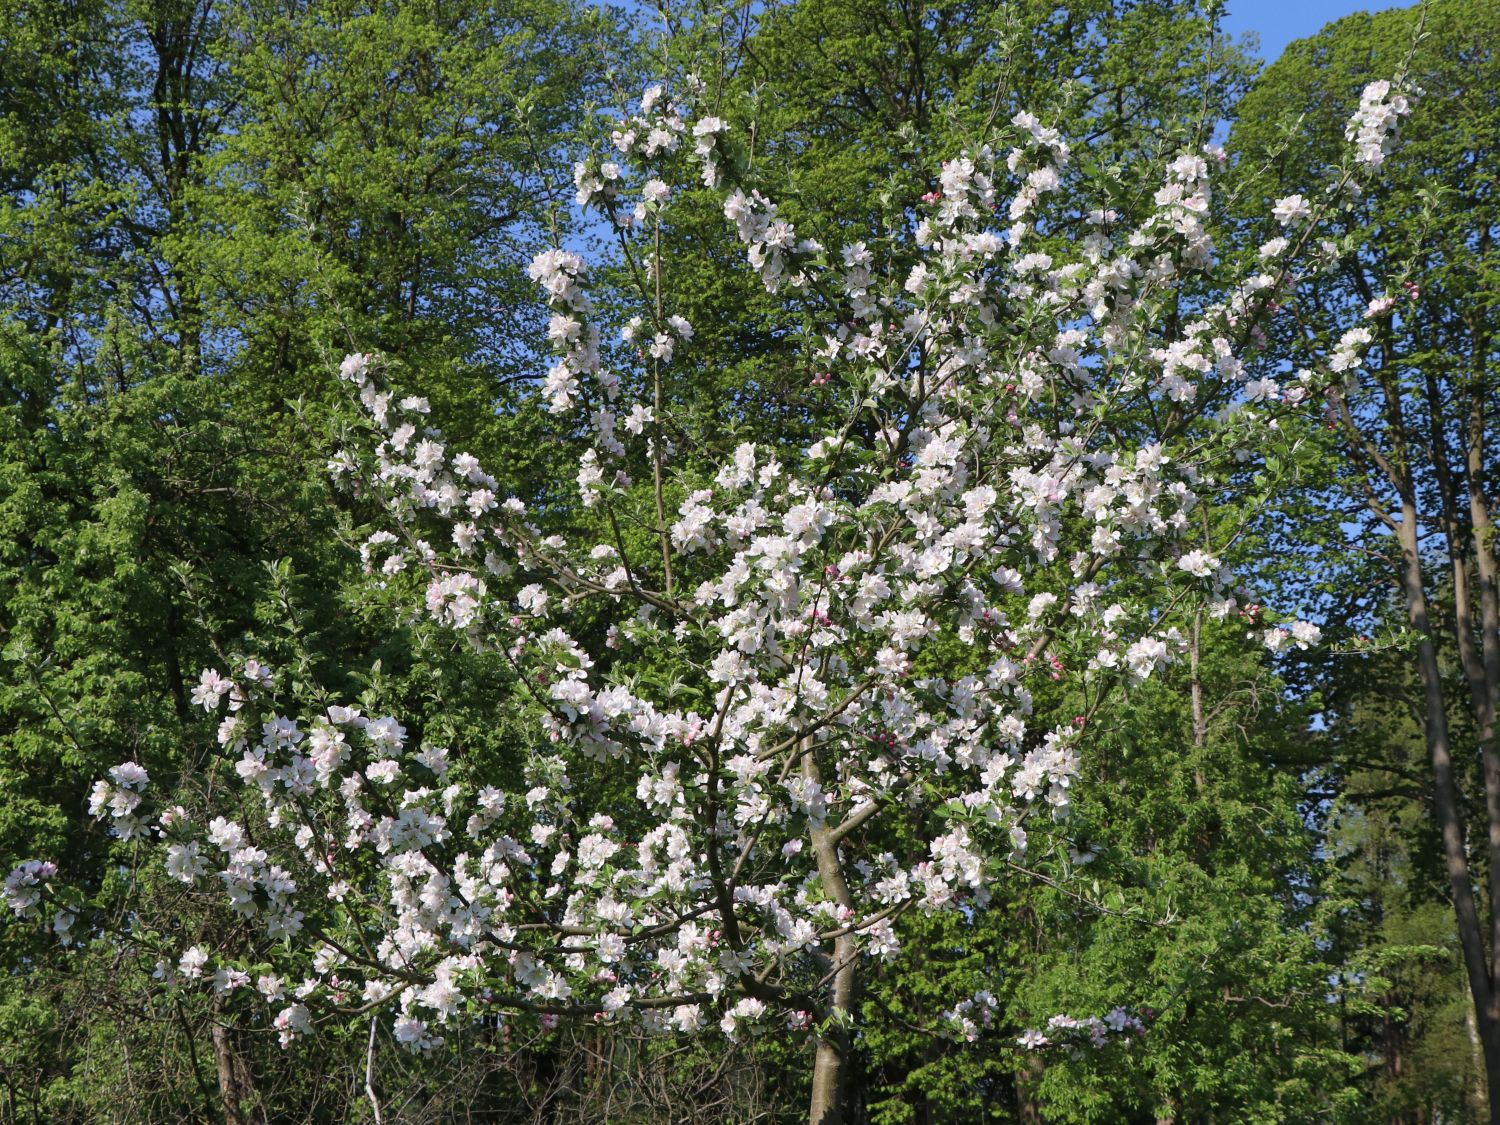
1278	22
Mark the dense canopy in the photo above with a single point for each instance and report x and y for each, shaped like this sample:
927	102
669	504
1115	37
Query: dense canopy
816	561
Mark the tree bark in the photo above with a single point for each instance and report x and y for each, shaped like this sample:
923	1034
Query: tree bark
1472	937
827	1107
830	1061
236	1086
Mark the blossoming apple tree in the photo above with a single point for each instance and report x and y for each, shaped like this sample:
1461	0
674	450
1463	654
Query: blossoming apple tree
1031	412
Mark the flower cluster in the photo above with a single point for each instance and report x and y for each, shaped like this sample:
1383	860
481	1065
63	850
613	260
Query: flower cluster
1373	126
967	1020
120	799
1090	1031
1301	634
560	273
23	886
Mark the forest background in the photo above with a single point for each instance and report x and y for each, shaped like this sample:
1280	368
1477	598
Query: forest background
204	204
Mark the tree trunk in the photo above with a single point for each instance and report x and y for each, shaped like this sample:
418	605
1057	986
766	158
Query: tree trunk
1028	1077
1491	1043
827	1103
236	1087
827	1106
1472	936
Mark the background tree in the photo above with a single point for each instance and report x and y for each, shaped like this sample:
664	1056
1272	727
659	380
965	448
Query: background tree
1406	470
200	201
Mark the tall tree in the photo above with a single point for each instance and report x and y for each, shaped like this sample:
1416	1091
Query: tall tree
1411	431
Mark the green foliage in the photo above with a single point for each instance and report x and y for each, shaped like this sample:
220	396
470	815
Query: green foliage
1424	233
1209	849
849	110
202	205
